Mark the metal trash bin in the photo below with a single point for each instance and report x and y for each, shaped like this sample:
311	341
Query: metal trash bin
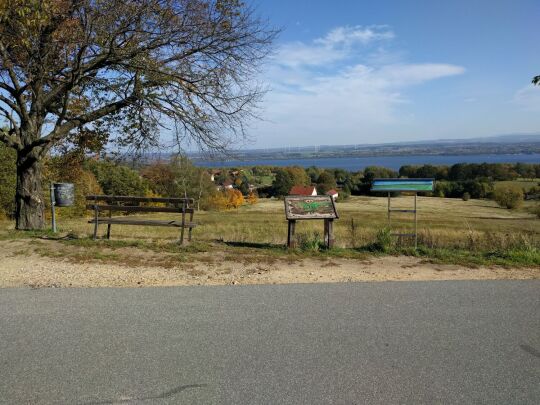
64	194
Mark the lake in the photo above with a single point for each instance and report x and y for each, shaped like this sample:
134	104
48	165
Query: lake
392	162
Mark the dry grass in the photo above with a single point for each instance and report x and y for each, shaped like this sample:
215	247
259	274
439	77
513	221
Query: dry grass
257	234
441	223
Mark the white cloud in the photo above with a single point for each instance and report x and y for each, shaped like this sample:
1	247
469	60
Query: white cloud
528	98
411	74
351	35
337	45
332	91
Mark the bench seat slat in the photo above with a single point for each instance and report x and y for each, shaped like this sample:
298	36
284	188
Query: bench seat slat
127	208
149	222
171	200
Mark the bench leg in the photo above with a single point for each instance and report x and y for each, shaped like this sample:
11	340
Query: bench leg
95	224
109	226
183	223
190	228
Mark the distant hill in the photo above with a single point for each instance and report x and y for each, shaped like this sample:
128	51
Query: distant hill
500	144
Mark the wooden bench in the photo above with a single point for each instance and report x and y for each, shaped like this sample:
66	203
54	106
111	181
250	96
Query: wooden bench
128	204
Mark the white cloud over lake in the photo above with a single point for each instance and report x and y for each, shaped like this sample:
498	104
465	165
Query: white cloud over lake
340	86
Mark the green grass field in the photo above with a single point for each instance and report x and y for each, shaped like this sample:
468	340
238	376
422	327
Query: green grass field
525	184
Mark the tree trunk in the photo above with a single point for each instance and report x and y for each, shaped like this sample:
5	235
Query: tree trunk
29	198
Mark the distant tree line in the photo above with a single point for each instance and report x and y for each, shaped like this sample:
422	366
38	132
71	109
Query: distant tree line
473	171
451	181
180	177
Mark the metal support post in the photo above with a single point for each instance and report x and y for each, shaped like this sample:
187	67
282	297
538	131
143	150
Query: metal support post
415	223
389	209
53	214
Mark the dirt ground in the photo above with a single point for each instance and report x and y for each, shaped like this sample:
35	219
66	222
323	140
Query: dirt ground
23	266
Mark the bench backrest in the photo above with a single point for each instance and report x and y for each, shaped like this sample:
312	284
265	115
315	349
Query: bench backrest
132	203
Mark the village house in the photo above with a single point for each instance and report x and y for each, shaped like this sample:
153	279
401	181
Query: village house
227	184
213	174
303	190
333	193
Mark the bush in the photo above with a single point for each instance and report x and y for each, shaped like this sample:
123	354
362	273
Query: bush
252	198
383	241
224	200
311	242
118	180
343	195
234	198
509	196
466	196
215	202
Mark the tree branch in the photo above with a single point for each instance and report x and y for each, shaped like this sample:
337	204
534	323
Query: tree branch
10	139
62	130
18	94
14	124
11	104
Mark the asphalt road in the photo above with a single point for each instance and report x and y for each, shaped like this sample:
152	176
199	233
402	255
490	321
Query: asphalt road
393	342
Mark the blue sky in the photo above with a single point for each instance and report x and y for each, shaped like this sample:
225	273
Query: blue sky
347	72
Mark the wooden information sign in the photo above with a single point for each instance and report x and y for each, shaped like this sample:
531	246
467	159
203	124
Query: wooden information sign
311	207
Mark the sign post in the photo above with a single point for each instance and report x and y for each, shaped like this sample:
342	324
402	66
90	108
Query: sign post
410	185
310	207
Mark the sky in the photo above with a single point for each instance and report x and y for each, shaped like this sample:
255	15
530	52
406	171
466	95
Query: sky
360	72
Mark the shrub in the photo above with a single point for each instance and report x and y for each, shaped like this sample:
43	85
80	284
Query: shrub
383	241
466	196
252	198
216	202
343	195
311	242
234	197
117	179
509	196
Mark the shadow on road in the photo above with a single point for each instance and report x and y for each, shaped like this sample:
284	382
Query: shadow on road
163	395
530	350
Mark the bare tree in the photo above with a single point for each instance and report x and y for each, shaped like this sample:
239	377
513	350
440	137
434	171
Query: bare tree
74	70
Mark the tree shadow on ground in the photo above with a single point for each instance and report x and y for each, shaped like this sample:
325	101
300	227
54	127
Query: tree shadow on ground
163	395
255	245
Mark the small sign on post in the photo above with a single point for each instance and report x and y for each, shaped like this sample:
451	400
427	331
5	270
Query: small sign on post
412	185
310	207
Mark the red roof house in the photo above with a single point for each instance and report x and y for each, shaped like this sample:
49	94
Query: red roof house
332	193
303	190
228	183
